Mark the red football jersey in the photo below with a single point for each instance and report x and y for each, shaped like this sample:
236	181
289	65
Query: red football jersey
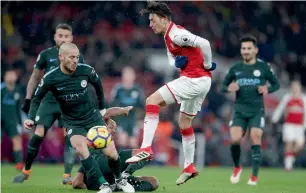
180	42
294	109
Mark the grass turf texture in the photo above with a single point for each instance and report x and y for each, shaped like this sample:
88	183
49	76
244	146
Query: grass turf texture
47	179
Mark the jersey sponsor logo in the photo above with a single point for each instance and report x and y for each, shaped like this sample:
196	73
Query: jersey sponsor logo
256	73
52	59
248	81
83	83
37	118
73	96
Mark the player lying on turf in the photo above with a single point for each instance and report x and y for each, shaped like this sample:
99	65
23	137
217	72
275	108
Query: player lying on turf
69	85
192	55
84	179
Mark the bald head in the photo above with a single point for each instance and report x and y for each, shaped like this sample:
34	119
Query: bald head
69	56
67	47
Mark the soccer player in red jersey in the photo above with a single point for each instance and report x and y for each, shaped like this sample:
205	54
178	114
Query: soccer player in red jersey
192	55
293	105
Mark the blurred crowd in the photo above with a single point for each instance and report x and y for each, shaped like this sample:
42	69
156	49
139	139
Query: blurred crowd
112	35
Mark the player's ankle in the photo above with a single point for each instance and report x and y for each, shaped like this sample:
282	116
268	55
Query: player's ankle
65	175
27	172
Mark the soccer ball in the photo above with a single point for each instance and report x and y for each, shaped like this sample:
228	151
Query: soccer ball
98	137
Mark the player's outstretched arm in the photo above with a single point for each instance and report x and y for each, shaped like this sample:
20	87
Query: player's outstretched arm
186	38
274	82
116	111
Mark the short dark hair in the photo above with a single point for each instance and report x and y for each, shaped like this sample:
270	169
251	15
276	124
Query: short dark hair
249	38
159	8
63	26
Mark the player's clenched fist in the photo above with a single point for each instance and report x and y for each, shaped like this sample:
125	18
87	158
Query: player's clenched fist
28	124
127	110
233	87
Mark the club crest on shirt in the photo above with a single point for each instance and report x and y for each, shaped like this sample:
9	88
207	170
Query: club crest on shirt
16	96
83	83
256	73
134	94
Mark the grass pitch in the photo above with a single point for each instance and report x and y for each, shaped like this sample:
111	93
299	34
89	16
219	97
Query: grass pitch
47	179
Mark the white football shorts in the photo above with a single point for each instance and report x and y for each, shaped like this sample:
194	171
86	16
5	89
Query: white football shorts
189	92
293	133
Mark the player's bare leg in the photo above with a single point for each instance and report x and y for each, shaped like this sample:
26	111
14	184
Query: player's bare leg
153	103
291	150
32	151
115	164
289	156
17	152
255	135
188	141
236	136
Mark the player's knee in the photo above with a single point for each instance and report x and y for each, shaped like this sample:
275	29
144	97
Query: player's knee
151	100
81	150
16	142
236	139
155	183
155	99
299	146
236	134
40	131
256	135
184	121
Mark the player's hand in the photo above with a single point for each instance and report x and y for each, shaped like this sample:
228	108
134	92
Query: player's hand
28	124
26	106
112	126
263	90
127	109
233	87
180	61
